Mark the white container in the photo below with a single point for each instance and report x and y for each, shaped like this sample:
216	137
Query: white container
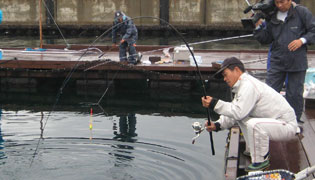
181	53
198	60
309	84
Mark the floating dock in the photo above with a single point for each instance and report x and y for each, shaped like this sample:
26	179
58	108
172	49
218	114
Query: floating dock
83	64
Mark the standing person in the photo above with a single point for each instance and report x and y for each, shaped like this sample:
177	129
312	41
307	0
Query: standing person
128	32
262	113
290	29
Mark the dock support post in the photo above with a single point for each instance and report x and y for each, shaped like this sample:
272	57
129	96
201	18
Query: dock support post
232	156
51	7
164	11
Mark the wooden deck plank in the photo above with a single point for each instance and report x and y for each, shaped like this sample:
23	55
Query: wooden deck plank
253	60
232	156
287	155
309	135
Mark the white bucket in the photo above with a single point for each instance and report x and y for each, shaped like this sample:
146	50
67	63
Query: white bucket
198	59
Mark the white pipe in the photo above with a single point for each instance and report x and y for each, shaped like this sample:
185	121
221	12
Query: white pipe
305	173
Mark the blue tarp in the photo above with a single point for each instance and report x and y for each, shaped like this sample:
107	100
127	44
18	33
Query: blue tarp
36	49
0	16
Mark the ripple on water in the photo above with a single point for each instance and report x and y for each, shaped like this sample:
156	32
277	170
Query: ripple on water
67	152
114	159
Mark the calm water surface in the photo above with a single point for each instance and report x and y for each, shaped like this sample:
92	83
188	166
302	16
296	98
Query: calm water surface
139	137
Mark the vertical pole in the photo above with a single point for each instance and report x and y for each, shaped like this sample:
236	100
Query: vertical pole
40	24
164	11
50	16
205	13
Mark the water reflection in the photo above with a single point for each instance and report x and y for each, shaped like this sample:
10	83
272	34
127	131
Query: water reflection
2	155
127	128
123	152
131	145
41	127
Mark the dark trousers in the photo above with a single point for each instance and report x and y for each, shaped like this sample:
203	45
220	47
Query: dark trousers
294	87
128	45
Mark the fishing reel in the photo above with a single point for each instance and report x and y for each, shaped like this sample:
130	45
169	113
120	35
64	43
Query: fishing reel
197	129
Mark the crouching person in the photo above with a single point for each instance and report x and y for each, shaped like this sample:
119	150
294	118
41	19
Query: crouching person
261	112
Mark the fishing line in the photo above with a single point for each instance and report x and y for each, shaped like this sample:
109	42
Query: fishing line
200	42
105	52
68	45
198	70
68	77
111	82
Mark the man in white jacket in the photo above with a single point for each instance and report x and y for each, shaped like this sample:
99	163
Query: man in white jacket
261	112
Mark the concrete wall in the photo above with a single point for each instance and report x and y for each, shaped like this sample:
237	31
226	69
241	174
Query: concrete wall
310	4
84	12
184	12
76	13
226	12
24	12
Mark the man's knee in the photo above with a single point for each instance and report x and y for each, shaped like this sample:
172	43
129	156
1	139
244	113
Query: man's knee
251	123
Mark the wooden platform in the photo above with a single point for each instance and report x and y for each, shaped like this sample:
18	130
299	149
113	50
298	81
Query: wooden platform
294	155
84	62
58	59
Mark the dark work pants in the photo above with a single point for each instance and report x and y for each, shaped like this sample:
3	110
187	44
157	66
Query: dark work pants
294	87
131	50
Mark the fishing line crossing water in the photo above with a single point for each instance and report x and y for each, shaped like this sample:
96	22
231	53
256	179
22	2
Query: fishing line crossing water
68	77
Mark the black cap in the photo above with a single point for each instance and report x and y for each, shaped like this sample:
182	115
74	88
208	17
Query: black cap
118	14
226	63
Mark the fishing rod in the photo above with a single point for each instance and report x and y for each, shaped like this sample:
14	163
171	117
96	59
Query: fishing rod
222	39
68	77
198	70
197	130
192	54
200	76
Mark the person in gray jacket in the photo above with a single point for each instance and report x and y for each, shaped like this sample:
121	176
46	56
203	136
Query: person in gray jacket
290	29
124	26
262	113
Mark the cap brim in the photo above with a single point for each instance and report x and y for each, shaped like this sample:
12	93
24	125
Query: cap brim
218	74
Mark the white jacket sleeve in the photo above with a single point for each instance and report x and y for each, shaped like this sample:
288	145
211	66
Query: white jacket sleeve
243	103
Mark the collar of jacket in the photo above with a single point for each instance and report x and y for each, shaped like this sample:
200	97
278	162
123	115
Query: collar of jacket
291	13
238	82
